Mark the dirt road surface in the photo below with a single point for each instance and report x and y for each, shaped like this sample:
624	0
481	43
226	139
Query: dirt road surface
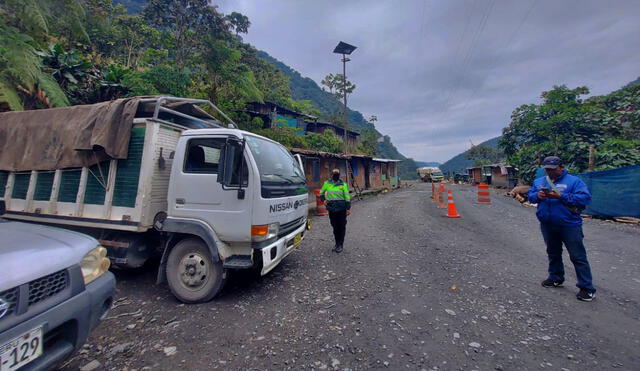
412	290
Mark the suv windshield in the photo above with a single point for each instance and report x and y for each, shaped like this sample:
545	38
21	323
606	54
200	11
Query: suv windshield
275	163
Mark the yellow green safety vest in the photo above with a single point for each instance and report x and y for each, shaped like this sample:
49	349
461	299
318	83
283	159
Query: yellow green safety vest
337	191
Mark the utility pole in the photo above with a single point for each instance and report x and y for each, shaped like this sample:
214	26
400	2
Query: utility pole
592	157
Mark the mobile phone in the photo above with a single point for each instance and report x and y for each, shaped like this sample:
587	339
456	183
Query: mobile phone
544	189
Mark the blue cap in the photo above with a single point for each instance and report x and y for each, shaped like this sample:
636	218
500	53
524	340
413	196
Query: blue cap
551	162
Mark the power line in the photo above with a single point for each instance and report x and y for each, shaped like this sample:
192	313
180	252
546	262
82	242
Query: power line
455	58
468	57
498	55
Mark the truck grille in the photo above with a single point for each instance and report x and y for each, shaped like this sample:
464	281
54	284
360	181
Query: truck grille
47	286
287	228
11	298
38	290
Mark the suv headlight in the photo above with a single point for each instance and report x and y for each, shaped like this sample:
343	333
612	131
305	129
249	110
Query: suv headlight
264	232
94	264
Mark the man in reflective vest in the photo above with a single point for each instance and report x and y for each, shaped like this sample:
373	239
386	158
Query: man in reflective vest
336	193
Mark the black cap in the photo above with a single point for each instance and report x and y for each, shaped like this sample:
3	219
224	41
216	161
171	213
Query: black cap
551	162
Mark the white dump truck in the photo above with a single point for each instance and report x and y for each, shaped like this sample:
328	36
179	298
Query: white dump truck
157	177
430	174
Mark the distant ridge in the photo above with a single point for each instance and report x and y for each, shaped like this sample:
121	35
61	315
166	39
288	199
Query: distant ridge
459	163
427	164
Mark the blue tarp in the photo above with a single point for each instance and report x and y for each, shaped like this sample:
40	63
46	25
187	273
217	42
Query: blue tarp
614	192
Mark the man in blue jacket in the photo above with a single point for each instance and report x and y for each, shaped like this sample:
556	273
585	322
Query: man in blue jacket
561	197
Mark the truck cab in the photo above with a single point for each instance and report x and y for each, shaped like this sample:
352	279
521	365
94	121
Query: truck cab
244	195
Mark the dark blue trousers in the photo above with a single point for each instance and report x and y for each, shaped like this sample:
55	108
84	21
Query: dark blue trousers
554	237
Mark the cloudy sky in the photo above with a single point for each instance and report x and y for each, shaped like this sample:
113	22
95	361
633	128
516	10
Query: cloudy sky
439	74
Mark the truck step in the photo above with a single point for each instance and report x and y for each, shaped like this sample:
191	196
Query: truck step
238	262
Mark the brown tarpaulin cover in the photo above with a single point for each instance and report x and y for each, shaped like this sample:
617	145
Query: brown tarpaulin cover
59	138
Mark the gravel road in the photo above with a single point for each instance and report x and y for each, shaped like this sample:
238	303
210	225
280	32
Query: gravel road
412	290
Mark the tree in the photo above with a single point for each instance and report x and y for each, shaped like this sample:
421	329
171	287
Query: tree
133	38
229	79
325	142
564	125
343	85
330	82
484	155
188	21
337	85
23	83
239	23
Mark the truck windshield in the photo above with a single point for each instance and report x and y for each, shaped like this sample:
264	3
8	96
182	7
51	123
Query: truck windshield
437	173
275	163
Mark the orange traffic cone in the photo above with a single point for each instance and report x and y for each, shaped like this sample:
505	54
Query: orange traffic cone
484	196
452	212
434	193
441	204
321	209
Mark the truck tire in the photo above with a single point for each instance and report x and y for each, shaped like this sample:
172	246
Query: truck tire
192	274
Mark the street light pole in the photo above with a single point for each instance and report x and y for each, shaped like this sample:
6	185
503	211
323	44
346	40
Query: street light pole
345	49
344	94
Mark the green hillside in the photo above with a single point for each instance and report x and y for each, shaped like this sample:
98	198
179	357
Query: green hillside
132	6
459	163
304	88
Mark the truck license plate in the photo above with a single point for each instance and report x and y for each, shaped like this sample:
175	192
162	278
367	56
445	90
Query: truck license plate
21	350
297	239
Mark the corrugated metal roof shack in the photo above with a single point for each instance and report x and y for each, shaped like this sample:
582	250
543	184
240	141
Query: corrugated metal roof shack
368	173
475	175
388	174
503	176
318	166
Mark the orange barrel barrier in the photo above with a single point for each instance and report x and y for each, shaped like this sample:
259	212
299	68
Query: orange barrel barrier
452	212
441	204
321	209
483	194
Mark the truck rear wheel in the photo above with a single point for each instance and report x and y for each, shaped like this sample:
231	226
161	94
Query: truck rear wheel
192	274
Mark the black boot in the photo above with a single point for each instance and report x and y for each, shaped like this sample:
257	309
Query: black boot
335	248
338	248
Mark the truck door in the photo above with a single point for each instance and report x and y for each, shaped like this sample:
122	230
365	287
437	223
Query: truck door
196	193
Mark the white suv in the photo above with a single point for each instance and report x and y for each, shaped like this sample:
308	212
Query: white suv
54	289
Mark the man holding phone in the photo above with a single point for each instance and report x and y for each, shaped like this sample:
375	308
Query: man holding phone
561	197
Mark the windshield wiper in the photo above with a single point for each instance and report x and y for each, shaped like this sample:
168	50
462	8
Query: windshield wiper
281	177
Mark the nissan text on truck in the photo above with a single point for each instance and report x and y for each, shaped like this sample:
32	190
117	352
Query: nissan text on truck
157	176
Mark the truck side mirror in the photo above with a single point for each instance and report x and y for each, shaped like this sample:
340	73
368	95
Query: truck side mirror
300	162
231	163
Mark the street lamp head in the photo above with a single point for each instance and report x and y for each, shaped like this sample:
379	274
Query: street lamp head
344	48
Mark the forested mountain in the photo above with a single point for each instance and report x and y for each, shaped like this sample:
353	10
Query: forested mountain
304	88
459	163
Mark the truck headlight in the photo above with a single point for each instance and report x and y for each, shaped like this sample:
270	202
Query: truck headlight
94	264
264	232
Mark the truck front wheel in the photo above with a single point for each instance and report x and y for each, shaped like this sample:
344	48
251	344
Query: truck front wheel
192	274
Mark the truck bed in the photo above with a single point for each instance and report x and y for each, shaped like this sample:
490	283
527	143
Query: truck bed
115	194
